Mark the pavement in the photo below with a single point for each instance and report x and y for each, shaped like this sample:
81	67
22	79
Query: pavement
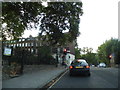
34	76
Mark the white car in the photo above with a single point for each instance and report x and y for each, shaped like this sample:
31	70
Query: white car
102	65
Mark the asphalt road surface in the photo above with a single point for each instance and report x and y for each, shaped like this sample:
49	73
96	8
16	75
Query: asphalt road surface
100	78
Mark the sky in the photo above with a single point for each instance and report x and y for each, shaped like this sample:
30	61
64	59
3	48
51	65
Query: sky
98	23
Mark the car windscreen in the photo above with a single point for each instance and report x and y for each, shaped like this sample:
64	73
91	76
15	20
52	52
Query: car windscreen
79	63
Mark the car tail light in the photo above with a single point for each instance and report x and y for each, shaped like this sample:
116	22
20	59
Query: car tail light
70	67
87	66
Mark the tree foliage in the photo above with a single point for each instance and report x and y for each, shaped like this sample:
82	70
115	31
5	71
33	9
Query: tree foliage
89	55
86	50
59	17
44	55
77	53
91	58
53	20
109	47
17	15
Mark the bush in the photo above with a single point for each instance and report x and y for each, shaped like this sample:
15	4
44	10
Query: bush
44	55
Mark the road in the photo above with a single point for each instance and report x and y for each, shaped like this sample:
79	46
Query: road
100	78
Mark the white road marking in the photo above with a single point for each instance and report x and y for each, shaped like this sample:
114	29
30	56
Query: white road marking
57	80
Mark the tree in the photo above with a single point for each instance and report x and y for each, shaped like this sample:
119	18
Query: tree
89	55
86	50
59	17
53	20
77	53
107	48
17	15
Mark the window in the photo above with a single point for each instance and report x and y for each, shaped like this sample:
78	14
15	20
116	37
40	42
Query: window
26	44
36	44
22	44
31	44
31	50
36	51
82	63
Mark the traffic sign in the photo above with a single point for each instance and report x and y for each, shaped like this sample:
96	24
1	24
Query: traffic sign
7	51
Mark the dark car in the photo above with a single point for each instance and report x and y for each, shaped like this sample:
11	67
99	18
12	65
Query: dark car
79	66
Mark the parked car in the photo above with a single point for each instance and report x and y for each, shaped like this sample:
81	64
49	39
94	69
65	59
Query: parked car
92	65
79	66
102	65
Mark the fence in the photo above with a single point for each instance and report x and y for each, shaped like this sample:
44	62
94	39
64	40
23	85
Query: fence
33	50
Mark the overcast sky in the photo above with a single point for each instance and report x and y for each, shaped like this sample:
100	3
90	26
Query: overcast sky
98	23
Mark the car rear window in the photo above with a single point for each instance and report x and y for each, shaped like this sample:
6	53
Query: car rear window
79	63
